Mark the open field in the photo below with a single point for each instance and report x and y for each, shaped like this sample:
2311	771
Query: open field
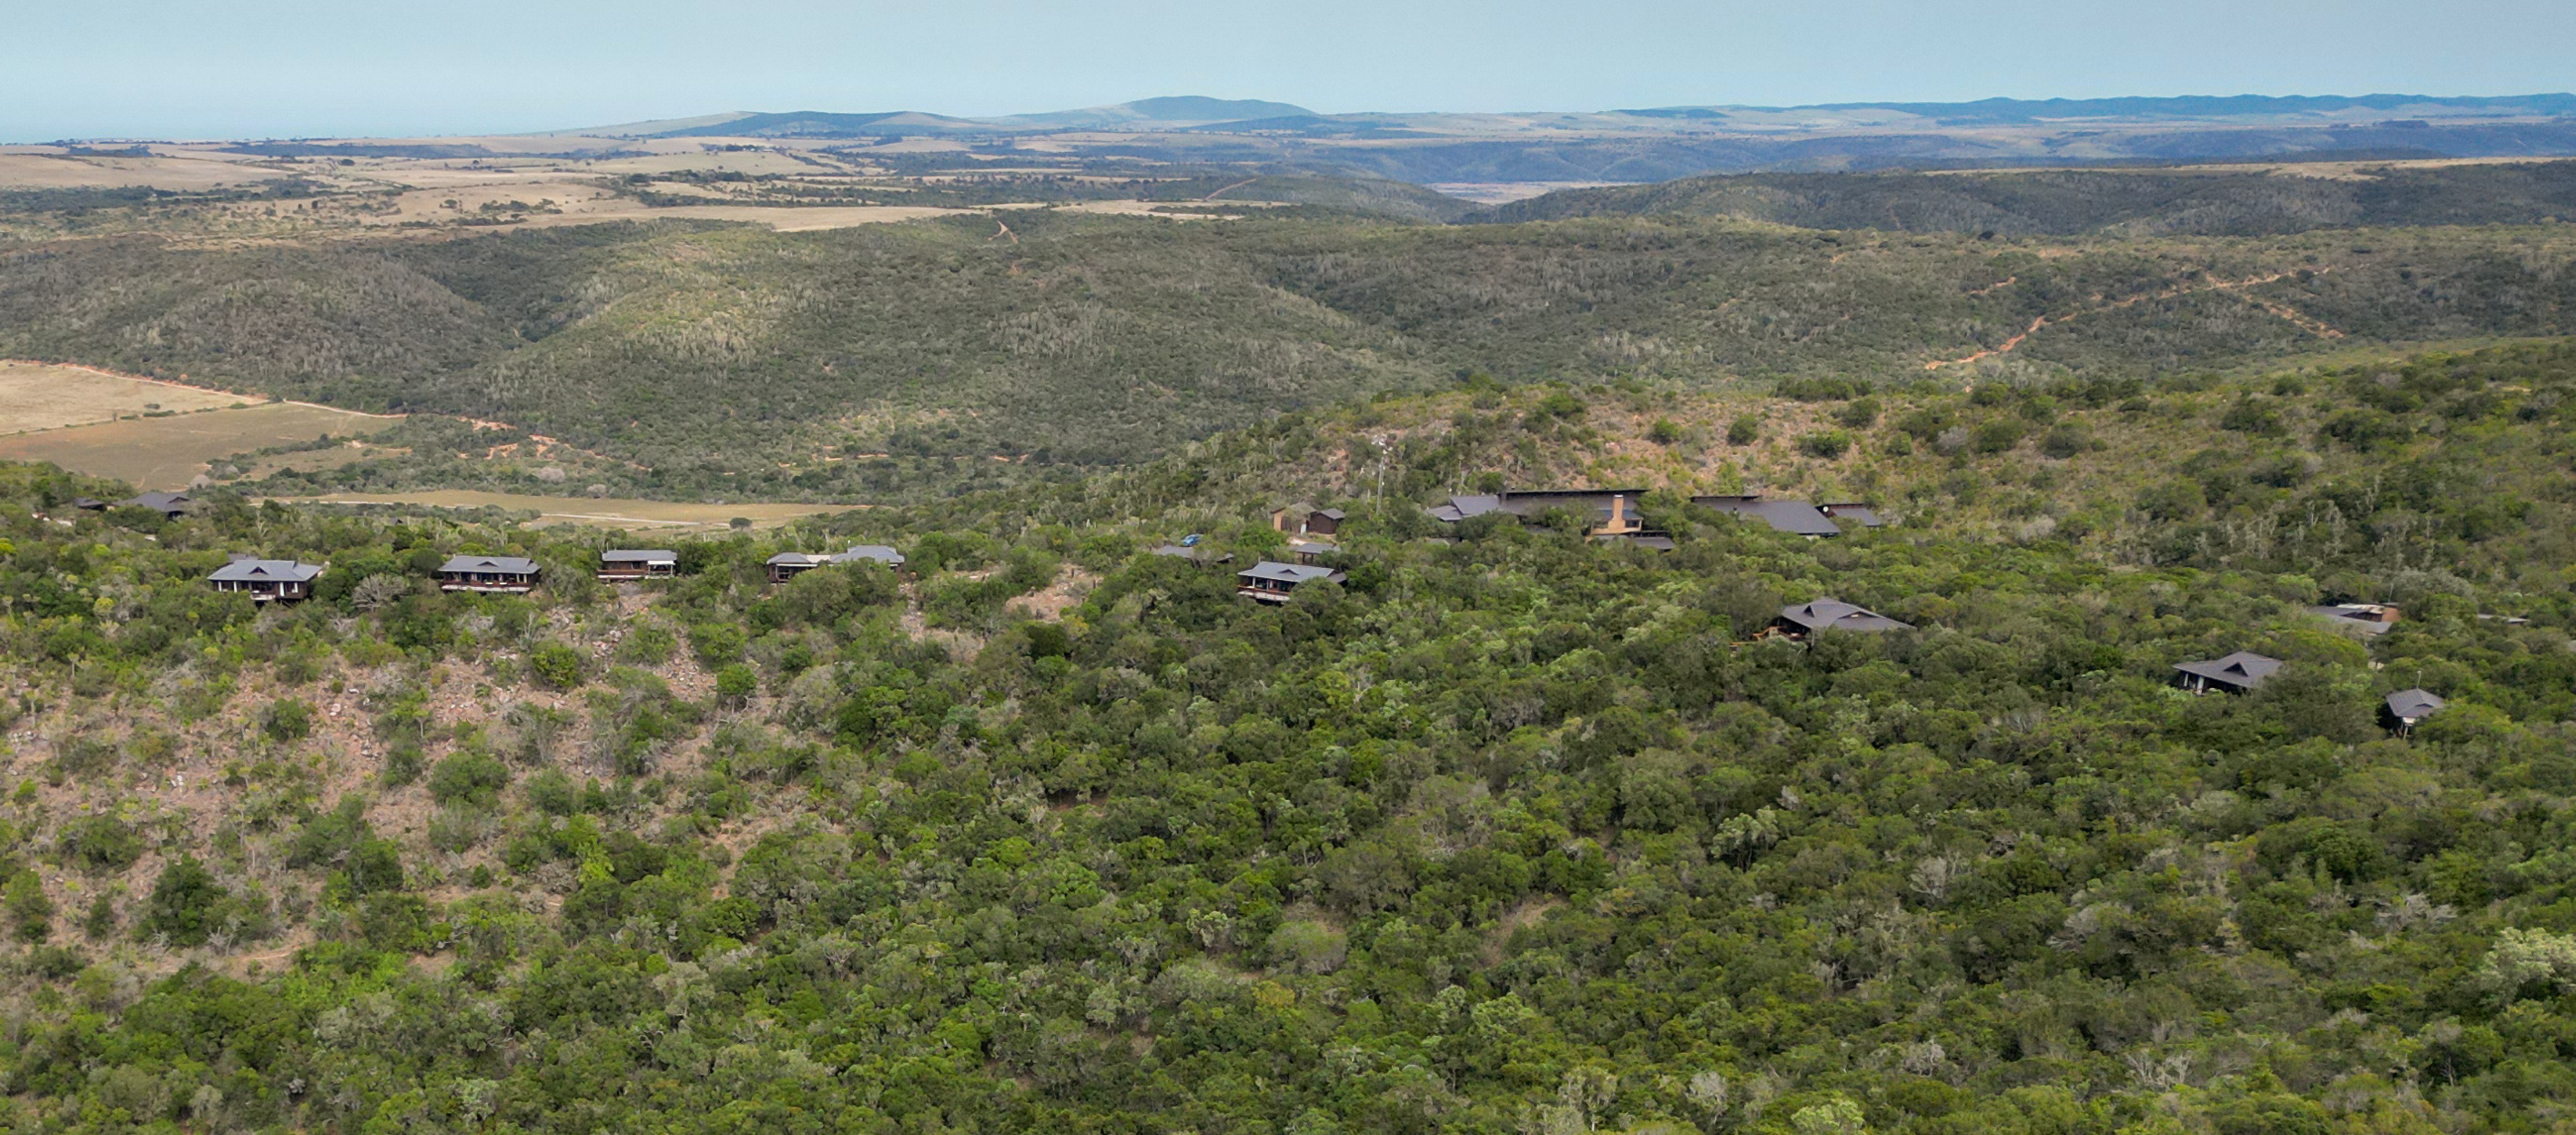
167	453
44	396
22	168
602	512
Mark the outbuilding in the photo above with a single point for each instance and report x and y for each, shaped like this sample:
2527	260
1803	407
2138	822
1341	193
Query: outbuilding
507	575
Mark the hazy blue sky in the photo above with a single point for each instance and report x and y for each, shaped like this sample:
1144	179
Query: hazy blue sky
190	68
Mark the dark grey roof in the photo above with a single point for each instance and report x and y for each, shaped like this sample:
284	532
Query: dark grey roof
497	565
159	502
1288	573
876	553
794	559
1798	518
1330	513
1655	540
1836	615
92	503
1867	516
2411	704
639	556
265	571
2243	669
1461	507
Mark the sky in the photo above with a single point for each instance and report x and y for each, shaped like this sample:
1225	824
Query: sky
305	68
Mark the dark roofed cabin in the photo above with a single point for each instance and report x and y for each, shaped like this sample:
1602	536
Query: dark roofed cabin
788	565
1854	511
2366	618
870	554
1272	582
2233	674
621	564
1802	619
2404	709
1607	514
507	575
172	505
266	581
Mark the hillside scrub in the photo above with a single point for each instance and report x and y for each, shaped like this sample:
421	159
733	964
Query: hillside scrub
1513	832
912	361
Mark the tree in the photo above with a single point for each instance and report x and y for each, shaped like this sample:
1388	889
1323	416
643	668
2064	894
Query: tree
186	905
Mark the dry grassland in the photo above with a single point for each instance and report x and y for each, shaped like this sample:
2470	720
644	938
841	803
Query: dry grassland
44	396
167	453
21	169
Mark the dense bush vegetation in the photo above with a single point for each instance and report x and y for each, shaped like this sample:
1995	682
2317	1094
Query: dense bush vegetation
894	362
1513	833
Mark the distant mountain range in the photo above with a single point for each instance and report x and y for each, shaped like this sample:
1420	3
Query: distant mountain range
1660	143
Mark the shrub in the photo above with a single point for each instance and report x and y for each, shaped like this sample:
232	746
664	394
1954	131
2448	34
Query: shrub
187	904
556	665
1996	435
287	720
101	843
1743	430
736	682
2064	442
1827	445
30	910
1859	414
469	777
1663	432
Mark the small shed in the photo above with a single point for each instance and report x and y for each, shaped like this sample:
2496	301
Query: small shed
620	564
508	575
1802	619
1302	519
2233	674
89	504
2403	709
1272	582
266	581
1312	551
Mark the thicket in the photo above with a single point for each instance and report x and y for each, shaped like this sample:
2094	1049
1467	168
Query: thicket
900	361
1514	832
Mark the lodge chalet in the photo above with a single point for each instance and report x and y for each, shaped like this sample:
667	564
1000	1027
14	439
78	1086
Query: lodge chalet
618	565
1795	517
1800	620
1607	514
171	505
2403	710
1272	582
2366	618
266	581
505	575
2234	674
788	565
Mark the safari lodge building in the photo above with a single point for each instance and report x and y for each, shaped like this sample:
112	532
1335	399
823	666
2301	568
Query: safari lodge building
508	575
267	581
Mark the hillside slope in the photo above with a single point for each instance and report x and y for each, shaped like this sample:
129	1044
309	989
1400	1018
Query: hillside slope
2070	202
1511	831
730	361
